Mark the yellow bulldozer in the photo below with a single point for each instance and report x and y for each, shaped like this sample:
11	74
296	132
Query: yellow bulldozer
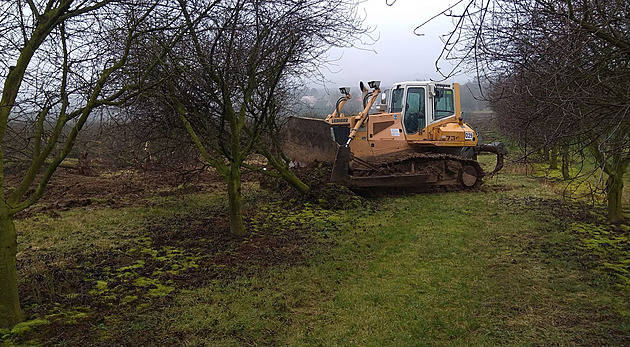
411	136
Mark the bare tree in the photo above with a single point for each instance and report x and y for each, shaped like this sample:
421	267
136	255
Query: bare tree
230	74
560	73
61	61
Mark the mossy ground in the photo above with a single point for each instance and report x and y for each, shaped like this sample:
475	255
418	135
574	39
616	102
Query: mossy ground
509	264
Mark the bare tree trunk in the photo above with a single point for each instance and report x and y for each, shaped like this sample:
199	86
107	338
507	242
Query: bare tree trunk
84	166
10	311
615	167
566	160
286	173
292	179
553	158
614	188
545	153
235	201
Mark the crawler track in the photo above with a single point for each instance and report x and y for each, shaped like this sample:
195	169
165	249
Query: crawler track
416	171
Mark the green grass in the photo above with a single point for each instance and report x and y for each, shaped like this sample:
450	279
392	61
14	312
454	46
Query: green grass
487	268
448	269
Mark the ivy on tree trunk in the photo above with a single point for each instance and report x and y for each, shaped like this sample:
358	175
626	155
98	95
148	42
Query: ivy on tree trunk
235	201
614	190
10	311
615	167
566	161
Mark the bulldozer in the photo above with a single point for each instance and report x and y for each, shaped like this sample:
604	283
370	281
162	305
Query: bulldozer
410	137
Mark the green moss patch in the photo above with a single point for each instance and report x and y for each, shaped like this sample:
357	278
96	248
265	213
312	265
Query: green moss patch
606	248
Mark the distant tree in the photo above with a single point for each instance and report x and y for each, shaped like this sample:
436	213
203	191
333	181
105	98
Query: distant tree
472	97
60	62
230	78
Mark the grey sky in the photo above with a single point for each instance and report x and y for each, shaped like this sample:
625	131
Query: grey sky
398	55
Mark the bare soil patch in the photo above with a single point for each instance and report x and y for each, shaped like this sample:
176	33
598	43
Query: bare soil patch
68	189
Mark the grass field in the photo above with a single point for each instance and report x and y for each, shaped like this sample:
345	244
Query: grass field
505	265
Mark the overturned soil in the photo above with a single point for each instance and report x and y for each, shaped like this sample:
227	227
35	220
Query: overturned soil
67	189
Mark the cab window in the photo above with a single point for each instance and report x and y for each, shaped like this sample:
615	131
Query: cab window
414	110
444	105
397	99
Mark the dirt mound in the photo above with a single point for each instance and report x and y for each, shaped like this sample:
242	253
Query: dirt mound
323	193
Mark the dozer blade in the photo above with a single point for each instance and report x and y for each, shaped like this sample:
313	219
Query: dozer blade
340	173
308	140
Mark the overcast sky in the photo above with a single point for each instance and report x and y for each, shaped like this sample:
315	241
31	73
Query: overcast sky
398	55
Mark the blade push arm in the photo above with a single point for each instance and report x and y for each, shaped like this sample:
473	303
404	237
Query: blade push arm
363	115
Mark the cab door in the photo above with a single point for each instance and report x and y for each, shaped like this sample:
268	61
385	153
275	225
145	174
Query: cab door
414	112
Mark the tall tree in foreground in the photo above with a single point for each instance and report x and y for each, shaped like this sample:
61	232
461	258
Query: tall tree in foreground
561	76
230	74
60	61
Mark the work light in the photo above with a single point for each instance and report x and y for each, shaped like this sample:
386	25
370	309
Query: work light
345	90
375	84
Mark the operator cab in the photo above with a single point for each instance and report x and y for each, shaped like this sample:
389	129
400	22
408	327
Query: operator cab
420	103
